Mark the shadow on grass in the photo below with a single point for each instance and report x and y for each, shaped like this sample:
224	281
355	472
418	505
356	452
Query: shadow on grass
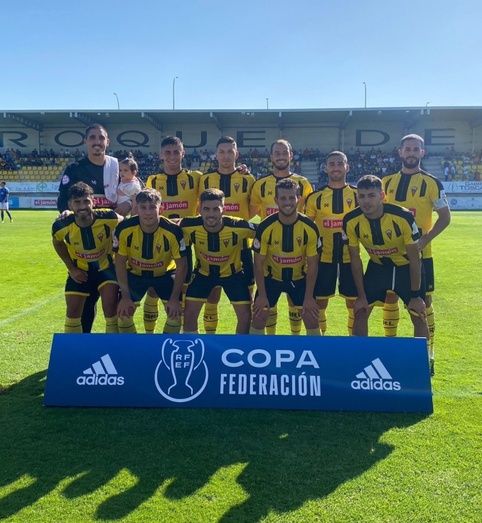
291	457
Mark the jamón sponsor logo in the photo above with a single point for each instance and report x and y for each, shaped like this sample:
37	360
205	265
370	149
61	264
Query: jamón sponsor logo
228	207
332	224
145	265
90	255
215	259
287	260
168	206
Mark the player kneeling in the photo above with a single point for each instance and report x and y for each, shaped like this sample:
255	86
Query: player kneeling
218	241
150	253
83	241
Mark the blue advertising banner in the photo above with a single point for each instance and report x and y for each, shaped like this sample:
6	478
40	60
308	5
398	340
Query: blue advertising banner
275	372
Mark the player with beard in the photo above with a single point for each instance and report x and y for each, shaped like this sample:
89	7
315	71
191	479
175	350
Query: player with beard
422	194
236	184
326	208
101	172
390	236
83	241
179	190
287	249
217	241
263	201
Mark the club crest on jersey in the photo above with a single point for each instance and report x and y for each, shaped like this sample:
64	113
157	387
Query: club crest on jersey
158	248
413	190
236	187
349	201
326	204
270	193
389	234
226	242
183	185
100	237
298	241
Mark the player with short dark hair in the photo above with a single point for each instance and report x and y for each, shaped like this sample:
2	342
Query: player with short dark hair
287	248
150	254
263	201
83	241
218	241
390	236
422	194
4	206
327	207
236	184
101	172
179	190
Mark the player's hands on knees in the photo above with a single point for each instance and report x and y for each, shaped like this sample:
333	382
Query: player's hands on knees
260	305
78	275
417	306
173	309
126	307
360	305
310	308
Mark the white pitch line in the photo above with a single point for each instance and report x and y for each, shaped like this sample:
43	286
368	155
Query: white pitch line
31	309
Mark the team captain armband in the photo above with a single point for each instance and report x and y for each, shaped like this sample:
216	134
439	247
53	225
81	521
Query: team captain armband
441	202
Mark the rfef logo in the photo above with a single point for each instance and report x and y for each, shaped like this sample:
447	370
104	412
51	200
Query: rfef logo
102	372
182	373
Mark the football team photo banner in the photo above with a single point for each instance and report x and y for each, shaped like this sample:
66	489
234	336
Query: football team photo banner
239	371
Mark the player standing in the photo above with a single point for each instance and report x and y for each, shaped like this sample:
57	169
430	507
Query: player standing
4	194
390	236
263	201
327	208
179	190
236	184
101	172
422	194
287	249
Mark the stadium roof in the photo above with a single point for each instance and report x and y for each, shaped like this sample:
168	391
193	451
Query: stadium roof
233	118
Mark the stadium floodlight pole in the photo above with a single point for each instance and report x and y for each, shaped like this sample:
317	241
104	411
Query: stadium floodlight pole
117	98
267	103
365	88
174	92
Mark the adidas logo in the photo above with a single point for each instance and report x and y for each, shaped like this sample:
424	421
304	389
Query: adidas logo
375	377
102	372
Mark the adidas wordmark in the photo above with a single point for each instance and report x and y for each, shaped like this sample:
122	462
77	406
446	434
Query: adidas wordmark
102	372
375	377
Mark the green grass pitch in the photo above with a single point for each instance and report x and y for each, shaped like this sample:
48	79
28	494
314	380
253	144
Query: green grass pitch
240	465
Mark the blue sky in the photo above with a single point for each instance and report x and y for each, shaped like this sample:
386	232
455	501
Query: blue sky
301	54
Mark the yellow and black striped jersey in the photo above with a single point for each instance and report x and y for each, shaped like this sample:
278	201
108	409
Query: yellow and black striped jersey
286	247
218	253
179	192
420	193
262	195
327	208
88	247
385	238
236	188
150	254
